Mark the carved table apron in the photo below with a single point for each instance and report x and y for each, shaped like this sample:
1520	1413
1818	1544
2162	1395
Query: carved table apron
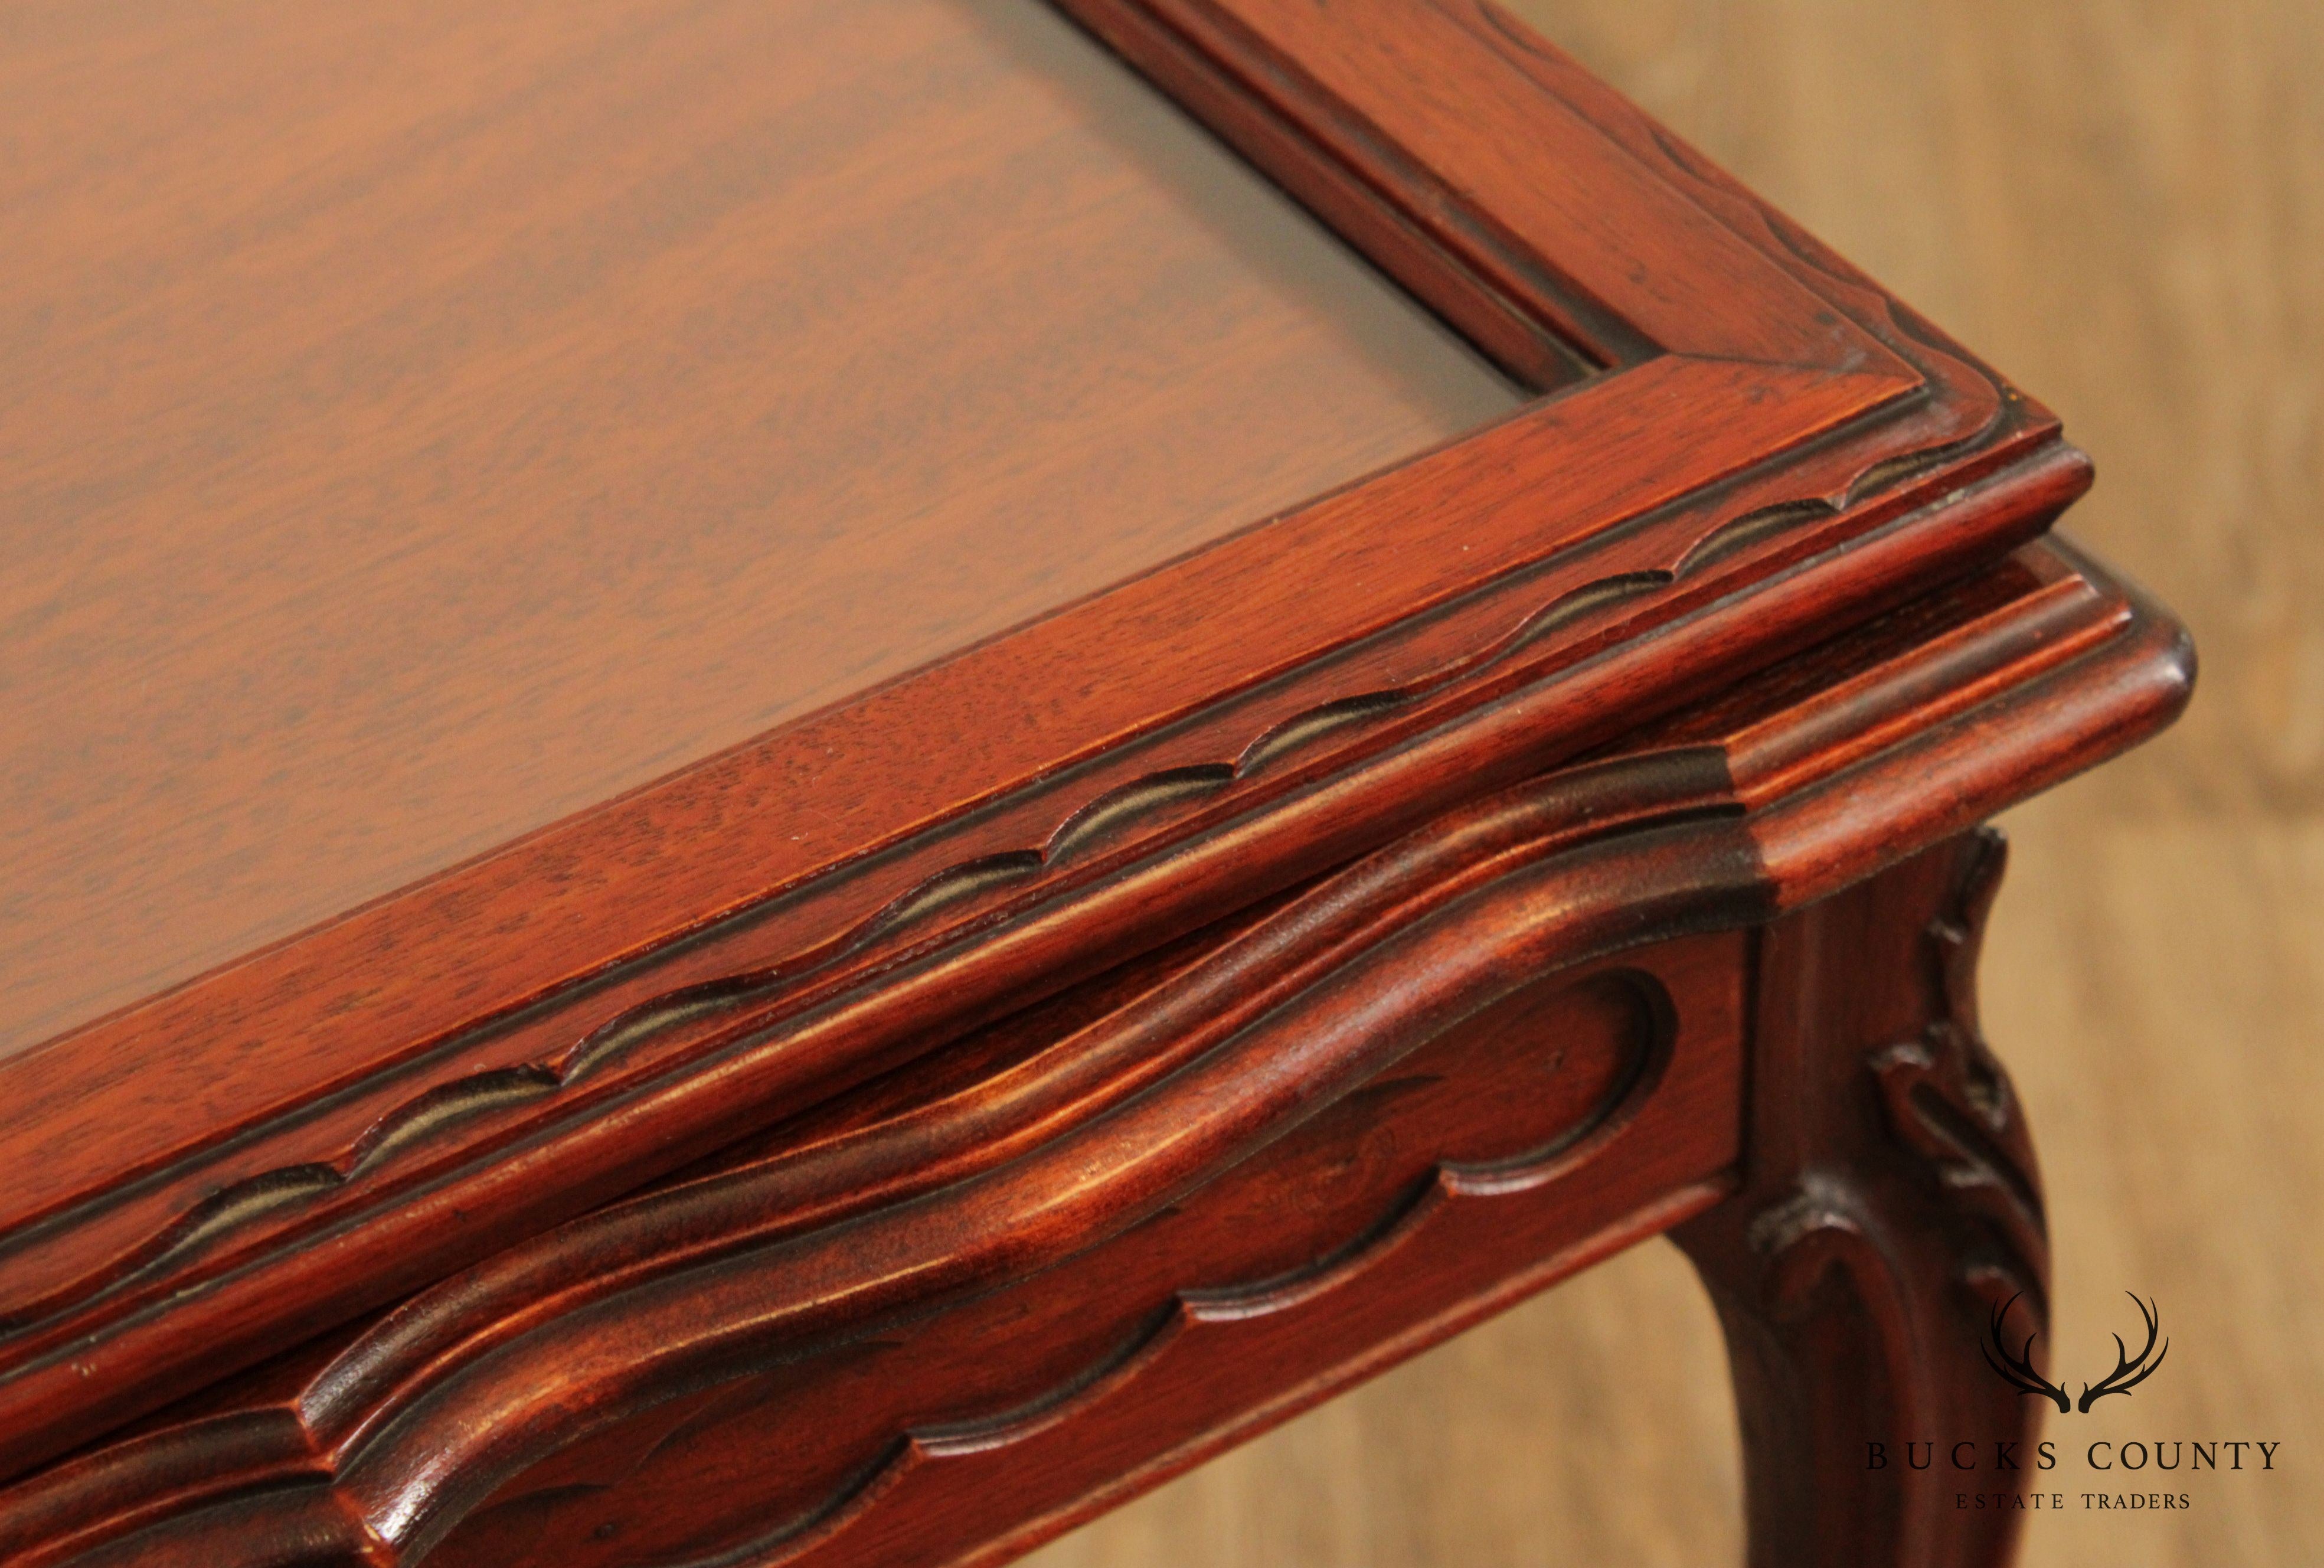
913	1131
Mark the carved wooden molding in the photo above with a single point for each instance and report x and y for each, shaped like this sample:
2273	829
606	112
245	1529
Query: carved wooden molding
1768	447
712	1009
216	1209
814	1239
430	1412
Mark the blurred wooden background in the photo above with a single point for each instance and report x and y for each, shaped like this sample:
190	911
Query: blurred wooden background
2121	202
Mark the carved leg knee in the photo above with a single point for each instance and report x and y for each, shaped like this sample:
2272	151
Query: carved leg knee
1885	1258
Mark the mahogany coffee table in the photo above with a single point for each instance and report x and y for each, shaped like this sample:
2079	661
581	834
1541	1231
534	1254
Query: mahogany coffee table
795	782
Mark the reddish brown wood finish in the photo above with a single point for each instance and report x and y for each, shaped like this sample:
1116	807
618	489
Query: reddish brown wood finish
727	1126
729	362
1892	1220
946	1316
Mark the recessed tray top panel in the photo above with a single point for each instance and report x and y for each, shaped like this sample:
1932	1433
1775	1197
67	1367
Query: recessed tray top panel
420	422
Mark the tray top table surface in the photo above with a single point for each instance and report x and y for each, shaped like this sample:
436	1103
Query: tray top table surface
423	422
582	586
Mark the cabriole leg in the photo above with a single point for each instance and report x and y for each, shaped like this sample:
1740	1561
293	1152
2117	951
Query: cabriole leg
1887	1249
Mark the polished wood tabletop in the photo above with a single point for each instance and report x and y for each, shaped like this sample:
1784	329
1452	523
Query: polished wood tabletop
809	784
417	423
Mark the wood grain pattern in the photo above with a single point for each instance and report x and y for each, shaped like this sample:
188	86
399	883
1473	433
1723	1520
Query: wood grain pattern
2123	205
727	363
839	1023
1886	1235
450	1069
927	1199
